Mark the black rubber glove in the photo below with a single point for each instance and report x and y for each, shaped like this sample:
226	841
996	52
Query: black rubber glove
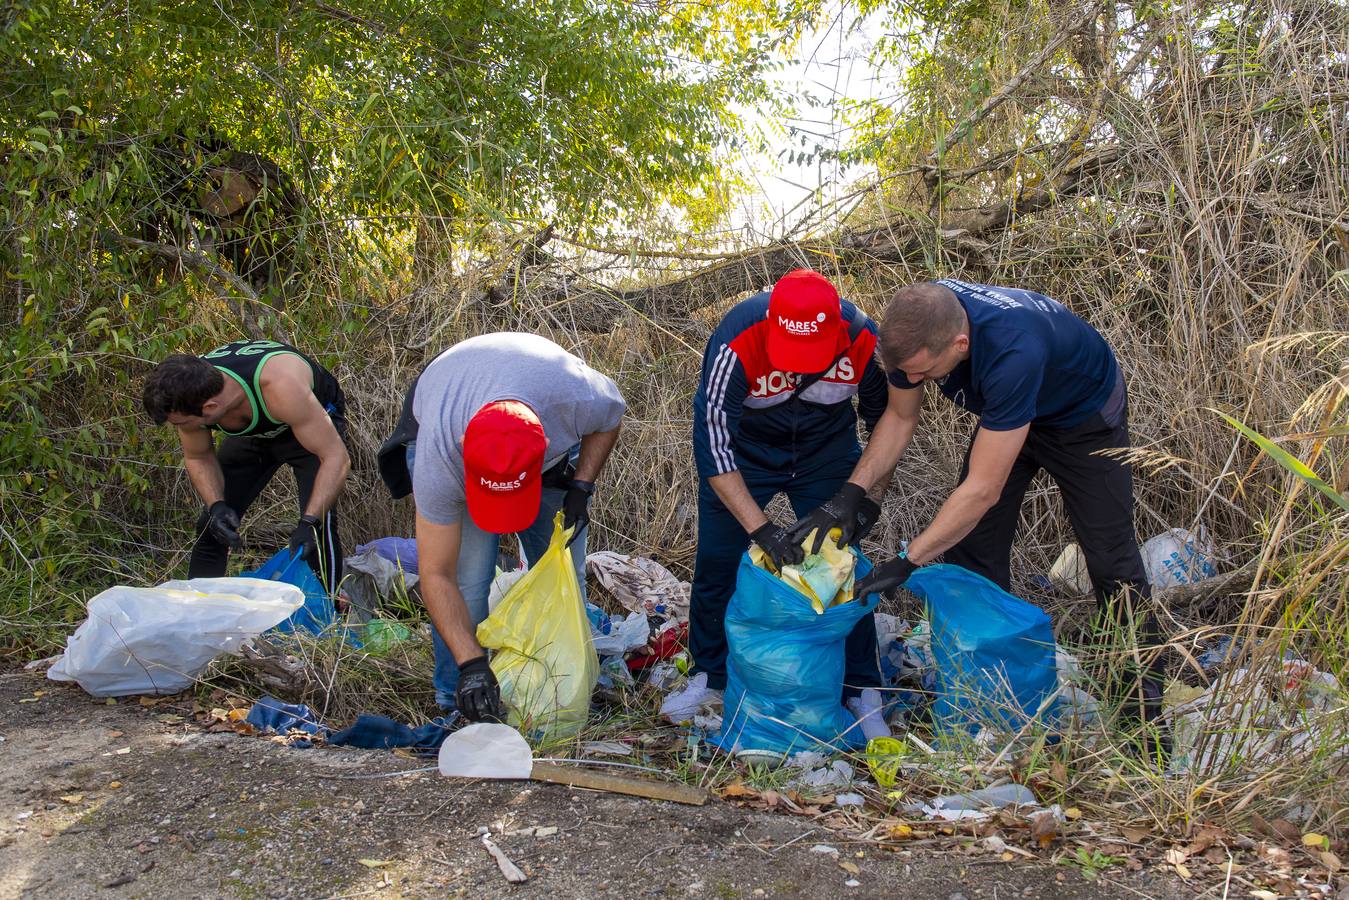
576	507
885	577
304	540
868	514
778	544
223	523
478	695
839	511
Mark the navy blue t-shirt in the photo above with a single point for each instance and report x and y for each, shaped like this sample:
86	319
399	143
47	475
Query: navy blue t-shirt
1031	361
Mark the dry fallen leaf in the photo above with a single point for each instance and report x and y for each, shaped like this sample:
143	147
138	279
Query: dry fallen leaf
1043	828
1312	839
114	784
72	798
1182	871
1058	772
899	831
737	789
850	867
1177	855
1072	813
1329	860
1134	835
1286	830
375	863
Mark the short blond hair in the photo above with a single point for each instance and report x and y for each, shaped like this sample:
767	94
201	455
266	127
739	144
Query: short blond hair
920	317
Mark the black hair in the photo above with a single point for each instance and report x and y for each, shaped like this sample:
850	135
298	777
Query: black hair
182	383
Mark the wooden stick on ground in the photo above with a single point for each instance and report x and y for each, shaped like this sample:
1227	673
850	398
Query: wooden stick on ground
619	784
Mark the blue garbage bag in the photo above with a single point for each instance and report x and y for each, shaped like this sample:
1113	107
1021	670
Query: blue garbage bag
784	667
318	612
993	652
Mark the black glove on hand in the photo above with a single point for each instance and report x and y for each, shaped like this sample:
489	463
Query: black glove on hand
778	544
839	511
304	540
885	577
223	523
868	514
478	695
576	507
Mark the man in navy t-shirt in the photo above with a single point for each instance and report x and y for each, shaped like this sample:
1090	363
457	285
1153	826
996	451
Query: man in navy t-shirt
1049	395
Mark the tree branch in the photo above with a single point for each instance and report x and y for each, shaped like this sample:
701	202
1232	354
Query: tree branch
217	276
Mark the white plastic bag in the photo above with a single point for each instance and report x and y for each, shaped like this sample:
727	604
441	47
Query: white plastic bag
156	640
1178	557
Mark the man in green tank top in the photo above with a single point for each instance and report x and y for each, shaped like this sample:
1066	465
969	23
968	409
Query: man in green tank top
275	406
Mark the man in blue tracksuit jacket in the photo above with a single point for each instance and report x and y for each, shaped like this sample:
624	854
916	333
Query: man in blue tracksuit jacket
774	413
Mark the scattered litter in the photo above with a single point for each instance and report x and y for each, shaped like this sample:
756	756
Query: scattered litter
825	848
696	697
617	635
606	748
1296	708
836	774
850	800
510	870
400	551
1178	557
157	640
532	831
884	757
641	585
852	882
370	578
300	725
974	804
1069	574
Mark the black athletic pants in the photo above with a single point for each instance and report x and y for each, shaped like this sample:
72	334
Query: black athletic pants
248	464
1098	495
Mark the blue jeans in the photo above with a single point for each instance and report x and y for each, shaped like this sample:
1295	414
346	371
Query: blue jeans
478	551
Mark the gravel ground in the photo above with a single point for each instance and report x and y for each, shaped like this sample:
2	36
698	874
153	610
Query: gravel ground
99	799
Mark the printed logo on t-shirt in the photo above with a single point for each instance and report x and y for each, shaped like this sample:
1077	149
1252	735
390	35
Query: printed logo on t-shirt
504	485
801	327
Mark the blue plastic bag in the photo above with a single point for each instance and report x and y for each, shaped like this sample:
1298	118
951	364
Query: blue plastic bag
993	652
784	667
318	613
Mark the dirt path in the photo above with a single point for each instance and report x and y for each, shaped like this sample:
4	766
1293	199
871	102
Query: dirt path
98	799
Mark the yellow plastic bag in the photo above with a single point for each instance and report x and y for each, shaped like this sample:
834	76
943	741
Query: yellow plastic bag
825	577
545	658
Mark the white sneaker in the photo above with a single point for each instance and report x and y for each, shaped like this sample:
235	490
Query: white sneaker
868	709
681	705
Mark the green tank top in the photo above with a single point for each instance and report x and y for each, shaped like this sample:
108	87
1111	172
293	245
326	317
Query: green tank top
242	361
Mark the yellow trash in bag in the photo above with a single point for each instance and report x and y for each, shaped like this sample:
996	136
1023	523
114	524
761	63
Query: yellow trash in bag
825	577
545	658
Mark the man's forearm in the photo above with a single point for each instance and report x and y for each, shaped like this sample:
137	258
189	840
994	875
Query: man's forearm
876	468
206	477
594	453
328	484
449	615
731	490
956	518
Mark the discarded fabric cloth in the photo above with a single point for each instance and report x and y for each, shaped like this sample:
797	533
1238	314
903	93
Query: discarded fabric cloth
368	732
397	550
368	579
825	577
642	585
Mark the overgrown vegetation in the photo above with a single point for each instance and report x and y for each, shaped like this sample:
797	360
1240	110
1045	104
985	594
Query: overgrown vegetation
1177	174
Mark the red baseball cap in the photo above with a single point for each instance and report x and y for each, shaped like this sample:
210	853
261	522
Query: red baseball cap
504	446
804	317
